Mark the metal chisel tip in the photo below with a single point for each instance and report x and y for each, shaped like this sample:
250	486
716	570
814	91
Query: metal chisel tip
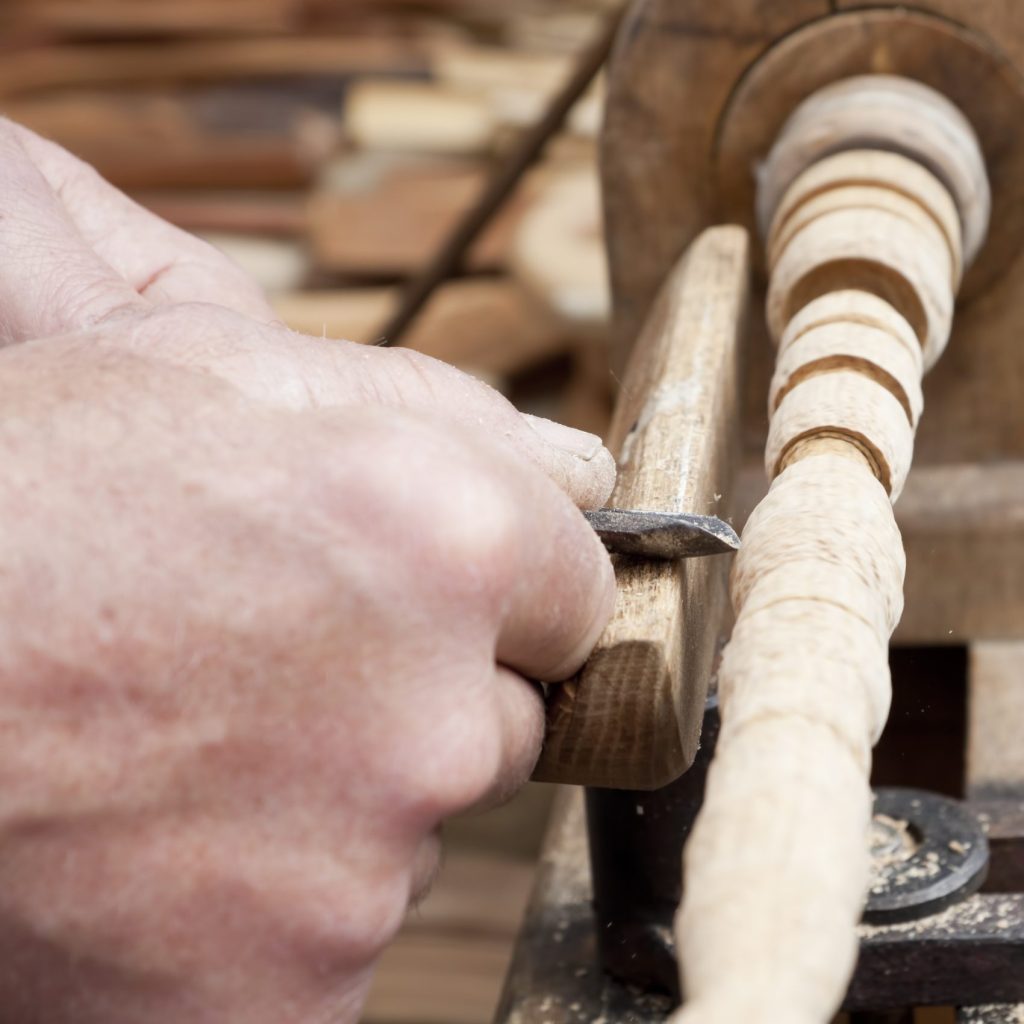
662	534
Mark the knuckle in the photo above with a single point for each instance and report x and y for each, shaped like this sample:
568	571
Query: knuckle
471	535
176	316
286	898
374	912
393	376
474	523
195	330
457	514
408	368
457	762
89	302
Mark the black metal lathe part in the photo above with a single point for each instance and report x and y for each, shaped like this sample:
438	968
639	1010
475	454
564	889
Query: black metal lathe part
636	842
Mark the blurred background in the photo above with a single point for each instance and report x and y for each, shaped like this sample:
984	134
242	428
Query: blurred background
329	146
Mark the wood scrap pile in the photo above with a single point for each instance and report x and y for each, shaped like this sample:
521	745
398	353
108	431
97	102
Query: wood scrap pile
330	145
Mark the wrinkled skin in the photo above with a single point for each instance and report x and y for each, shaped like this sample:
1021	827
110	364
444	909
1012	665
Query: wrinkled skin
269	607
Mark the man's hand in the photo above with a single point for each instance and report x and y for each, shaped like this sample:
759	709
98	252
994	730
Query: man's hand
268	608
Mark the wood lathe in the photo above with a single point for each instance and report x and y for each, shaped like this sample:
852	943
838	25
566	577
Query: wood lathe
809	207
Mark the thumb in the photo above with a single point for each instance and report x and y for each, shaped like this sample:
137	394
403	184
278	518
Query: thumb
575	460
581	448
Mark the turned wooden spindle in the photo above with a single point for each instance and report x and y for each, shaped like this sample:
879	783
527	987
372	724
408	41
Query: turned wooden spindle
865	252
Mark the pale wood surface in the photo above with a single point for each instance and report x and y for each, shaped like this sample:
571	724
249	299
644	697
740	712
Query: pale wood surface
978	381
276	264
995	738
963	531
517	83
272	213
556	248
418	117
776	868
632	718
890	112
878	352
886	174
964	65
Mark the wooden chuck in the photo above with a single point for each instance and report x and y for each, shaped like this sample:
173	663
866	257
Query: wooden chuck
873	198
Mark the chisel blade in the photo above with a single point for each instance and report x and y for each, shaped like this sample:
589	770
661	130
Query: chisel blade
666	535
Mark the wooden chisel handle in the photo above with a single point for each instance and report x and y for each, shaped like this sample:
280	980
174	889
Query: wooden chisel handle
631	718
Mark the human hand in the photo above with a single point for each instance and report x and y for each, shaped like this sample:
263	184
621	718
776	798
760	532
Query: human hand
269	605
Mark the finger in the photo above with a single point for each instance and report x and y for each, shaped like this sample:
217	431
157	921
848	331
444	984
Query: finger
336	372
50	280
426	867
520	727
575	460
565	591
494	515
160	261
472	530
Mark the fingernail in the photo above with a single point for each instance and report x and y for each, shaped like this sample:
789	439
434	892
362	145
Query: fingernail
577	443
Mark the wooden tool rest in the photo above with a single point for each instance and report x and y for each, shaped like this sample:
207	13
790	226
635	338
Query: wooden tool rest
698	96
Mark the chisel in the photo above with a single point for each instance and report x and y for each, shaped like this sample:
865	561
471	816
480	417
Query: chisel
666	535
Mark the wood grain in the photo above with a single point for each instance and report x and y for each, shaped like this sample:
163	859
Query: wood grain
963	531
669	82
553	249
682	73
979	381
274	213
884	112
632	718
776	867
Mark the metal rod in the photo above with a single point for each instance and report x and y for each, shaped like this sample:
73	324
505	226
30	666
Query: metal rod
449	258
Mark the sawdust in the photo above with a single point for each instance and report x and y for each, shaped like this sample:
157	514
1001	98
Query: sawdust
1000	912
892	845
